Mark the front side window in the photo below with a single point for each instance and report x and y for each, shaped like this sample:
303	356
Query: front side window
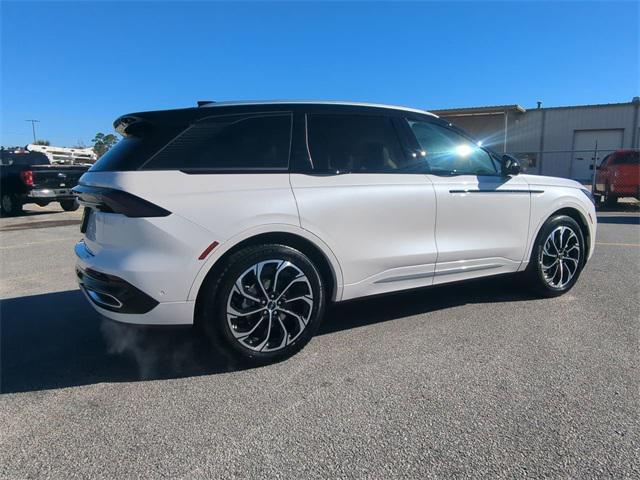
449	153
631	158
354	143
229	143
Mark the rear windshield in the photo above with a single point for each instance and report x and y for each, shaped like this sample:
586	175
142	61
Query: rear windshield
632	158
132	152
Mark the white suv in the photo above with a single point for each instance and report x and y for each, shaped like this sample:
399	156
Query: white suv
247	218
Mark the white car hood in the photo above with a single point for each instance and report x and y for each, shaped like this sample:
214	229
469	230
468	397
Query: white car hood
541	180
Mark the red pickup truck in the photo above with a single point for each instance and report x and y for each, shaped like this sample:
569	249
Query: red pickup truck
618	175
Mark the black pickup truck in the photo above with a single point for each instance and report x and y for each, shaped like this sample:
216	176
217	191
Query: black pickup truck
28	177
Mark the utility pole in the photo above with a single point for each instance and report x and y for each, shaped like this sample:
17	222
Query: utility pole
33	127
594	167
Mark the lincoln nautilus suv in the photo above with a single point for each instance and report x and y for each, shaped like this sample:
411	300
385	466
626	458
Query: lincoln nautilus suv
246	219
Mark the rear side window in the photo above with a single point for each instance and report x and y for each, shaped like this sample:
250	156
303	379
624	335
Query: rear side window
229	143
632	158
354	143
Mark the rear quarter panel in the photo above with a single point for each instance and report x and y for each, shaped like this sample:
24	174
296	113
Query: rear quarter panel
224	208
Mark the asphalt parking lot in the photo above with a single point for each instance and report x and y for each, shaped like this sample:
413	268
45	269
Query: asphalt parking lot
471	380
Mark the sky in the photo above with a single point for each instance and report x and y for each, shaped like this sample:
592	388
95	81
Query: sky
76	66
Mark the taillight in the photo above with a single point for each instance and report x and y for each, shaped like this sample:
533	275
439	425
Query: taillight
116	201
27	177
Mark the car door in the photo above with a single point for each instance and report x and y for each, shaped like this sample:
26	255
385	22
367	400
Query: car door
378	220
483	216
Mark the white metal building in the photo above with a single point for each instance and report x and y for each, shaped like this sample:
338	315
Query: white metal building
558	141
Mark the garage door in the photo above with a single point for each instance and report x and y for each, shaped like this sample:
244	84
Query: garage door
584	146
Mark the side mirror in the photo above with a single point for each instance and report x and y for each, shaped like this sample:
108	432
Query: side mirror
510	165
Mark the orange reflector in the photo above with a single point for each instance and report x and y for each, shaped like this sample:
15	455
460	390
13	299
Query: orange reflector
207	250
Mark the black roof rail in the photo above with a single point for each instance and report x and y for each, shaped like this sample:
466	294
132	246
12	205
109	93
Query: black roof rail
204	102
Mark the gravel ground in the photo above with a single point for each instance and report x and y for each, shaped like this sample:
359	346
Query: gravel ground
473	380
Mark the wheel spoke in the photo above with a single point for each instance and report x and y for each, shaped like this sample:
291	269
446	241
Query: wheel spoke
266	340
279	269
237	313
258	272
285	334
301	297
243	335
299	278
557	242
553	276
302	321
239	289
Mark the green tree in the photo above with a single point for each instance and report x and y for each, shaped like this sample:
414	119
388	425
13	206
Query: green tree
102	143
42	142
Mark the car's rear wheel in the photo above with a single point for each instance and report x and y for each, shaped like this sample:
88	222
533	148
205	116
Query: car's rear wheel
558	256
10	205
266	304
610	200
69	205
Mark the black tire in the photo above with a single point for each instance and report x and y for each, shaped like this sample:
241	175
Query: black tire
609	199
69	205
10	205
535	273
221	293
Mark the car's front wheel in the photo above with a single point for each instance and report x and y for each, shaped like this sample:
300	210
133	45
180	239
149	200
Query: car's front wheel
558	256
266	304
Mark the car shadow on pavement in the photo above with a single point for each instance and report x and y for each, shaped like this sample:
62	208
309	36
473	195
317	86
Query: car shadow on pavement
57	340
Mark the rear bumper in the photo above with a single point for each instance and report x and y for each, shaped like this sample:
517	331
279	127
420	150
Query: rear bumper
119	300
113	293
50	194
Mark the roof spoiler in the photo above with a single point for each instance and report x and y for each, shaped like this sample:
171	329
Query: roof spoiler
128	125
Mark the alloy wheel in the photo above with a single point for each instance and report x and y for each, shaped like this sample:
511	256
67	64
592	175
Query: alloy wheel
270	305
560	257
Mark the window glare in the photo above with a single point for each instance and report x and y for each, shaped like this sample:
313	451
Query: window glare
448	152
